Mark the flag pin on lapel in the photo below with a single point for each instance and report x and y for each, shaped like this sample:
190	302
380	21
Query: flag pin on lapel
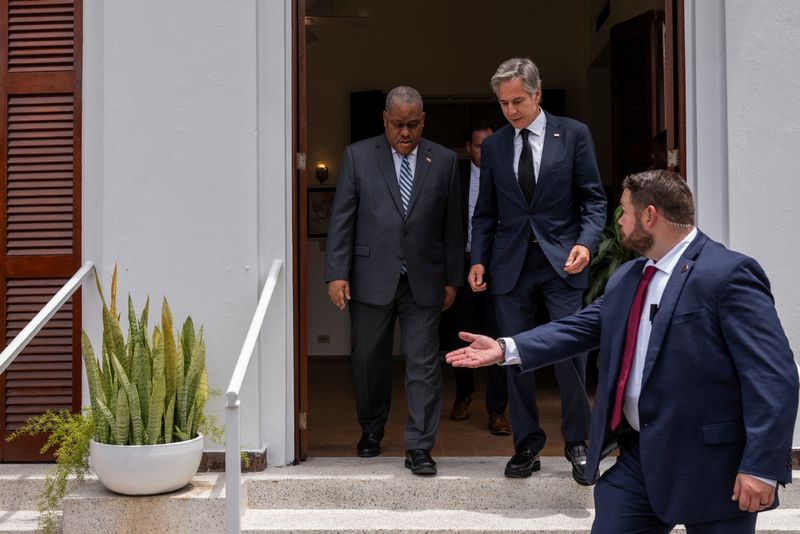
428	160
556	135
685	268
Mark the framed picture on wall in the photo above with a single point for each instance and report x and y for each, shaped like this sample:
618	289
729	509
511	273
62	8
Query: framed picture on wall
320	201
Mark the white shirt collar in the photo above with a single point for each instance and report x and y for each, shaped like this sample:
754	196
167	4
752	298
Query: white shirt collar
537	126
412	155
670	259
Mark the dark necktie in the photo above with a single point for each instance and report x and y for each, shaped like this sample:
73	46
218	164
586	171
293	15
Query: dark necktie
632	331
525	176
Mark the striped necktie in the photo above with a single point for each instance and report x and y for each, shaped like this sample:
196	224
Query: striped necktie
406	182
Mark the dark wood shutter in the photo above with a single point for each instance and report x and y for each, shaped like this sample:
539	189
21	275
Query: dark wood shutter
40	192
636	93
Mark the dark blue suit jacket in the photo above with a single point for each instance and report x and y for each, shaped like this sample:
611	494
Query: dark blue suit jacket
568	208
720	386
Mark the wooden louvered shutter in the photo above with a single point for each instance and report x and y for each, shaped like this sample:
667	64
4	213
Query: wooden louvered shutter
40	191
636	93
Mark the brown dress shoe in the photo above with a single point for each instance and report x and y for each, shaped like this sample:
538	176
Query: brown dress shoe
498	425
460	410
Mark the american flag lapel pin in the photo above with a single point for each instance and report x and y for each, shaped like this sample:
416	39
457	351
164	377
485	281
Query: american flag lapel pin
685	268
428	159
556	134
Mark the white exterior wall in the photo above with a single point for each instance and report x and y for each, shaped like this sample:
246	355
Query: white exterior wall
187	181
743	134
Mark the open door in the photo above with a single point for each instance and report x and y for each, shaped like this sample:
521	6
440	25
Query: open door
647	91
299	194
675	86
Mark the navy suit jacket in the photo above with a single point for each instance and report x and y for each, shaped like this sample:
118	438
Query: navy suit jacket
568	208
370	236
719	389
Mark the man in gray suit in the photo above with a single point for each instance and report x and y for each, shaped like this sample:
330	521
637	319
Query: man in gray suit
395	249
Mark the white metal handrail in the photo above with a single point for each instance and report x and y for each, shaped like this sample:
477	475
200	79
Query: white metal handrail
25	336
233	467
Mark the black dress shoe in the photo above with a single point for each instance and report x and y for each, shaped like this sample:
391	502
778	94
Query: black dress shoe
420	462
369	445
522	464
575	452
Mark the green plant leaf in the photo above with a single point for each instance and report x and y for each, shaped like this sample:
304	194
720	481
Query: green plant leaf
137	429
169	420
123	420
159	393
170	350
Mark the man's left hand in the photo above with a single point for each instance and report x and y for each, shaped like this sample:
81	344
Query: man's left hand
449	296
578	259
753	494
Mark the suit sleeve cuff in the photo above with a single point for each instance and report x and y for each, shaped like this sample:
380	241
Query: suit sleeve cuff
770	481
511	356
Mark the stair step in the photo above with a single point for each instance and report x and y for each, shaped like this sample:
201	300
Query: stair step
199	507
542	521
468	483
21	522
474	483
21	483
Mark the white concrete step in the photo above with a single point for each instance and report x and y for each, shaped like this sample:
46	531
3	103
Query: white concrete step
474	483
21	522
542	521
470	483
199	507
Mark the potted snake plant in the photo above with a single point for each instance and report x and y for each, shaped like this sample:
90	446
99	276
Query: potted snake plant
143	431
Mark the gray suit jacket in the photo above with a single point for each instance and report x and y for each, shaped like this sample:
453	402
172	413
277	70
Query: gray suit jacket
369	236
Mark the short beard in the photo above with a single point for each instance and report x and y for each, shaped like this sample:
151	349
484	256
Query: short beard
639	240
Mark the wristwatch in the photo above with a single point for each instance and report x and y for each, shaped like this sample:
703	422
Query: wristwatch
502	343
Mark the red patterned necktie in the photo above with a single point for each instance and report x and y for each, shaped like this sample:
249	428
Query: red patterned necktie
634	317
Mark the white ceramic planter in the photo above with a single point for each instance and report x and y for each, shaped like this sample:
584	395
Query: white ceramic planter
146	469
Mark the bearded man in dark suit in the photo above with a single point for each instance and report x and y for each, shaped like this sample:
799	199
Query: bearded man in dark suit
698	387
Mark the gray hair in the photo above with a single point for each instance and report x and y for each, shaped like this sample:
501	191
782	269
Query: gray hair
404	95
518	67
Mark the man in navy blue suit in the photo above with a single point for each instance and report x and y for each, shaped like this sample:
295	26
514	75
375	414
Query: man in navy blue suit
698	387
539	215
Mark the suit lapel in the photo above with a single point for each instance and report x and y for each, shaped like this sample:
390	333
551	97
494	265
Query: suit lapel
622	306
424	162
383	155
552	146
669	299
507	145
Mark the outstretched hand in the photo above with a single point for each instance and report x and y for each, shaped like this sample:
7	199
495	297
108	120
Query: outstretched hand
482	351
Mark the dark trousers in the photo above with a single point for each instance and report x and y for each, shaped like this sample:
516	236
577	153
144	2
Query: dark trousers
372	330
622	505
473	312
516	312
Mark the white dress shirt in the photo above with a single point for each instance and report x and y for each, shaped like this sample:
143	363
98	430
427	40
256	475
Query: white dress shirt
664	268
474	187
535	139
398	160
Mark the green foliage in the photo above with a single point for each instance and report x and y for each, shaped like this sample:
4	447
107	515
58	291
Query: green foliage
610	255
69	435
146	396
139	393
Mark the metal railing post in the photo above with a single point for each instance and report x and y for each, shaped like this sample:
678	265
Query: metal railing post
233	465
